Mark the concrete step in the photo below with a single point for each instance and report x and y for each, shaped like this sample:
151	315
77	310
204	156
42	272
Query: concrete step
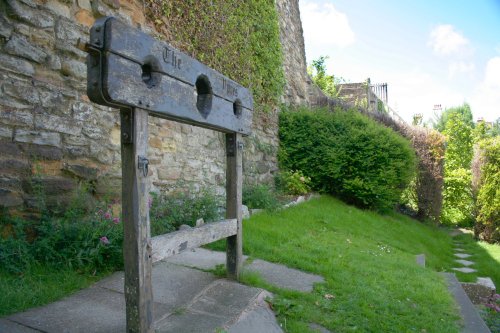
185	300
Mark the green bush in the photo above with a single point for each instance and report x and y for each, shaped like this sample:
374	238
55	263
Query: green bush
260	196
90	243
348	155
458	203
169	211
488	199
293	182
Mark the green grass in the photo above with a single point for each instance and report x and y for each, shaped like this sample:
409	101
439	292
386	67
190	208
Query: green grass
373	283
38	286
486	257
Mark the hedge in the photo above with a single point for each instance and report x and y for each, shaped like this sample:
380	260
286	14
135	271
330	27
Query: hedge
348	155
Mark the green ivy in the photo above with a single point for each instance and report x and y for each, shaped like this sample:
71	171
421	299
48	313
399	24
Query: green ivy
237	38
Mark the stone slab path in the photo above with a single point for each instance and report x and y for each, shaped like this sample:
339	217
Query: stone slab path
186	299
459	252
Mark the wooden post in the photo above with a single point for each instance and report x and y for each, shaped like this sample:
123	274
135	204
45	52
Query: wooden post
234	183
135	211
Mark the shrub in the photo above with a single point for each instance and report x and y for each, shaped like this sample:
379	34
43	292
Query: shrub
91	243
293	182
347	154
488	198
458	203
169	211
260	196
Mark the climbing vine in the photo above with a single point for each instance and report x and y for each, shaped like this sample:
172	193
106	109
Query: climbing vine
237	38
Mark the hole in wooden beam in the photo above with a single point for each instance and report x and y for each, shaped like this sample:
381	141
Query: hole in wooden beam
237	108
204	95
150	75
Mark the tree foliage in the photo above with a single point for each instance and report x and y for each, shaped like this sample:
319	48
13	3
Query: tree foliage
488	199
458	203
347	154
327	83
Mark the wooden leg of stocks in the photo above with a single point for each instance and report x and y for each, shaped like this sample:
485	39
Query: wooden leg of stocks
135	211
234	183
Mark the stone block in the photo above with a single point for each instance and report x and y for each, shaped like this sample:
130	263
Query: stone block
21	90
58	8
57	124
30	15
81	171
8	148
14	166
12	184
10	198
77	151
5	132
74	68
54	62
85	17
38	152
51	98
5	27
478	293
19	46
37	137
16	117
51	185
16	65
75	140
84	4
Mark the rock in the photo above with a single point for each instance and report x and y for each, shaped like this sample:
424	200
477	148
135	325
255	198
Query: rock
57	124
465	270
51	185
38	152
85	18
420	259
84	4
200	222
37	137
8	148
9	198
256	211
5	27
58	8
30	15
16	65
245	212
82	111
81	171
185	227
77	69
5	132
15	117
14	167
22	91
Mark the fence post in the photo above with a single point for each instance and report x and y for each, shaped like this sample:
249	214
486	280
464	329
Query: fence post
135	215
234	183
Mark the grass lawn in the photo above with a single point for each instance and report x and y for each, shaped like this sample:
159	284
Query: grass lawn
373	283
38	286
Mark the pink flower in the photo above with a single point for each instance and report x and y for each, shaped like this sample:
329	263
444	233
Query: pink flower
104	240
116	220
107	216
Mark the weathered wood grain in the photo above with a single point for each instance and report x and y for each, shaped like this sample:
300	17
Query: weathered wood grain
124	59
234	184
172	243
135	215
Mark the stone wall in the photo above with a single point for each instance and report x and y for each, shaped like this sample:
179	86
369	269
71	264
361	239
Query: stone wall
53	137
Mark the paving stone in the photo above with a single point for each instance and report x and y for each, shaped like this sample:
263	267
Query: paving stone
465	270
93	310
174	286
200	258
462	255
457	249
471	319
190	322
260	319
284	277
8	326
465	262
318	328
487	282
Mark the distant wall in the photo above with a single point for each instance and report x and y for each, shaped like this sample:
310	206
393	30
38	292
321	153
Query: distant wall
49	130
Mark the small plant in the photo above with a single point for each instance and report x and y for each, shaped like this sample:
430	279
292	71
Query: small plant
491	313
260	196
169	211
293	182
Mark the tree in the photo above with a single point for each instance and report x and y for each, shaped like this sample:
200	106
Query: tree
327	83
442	119
458	202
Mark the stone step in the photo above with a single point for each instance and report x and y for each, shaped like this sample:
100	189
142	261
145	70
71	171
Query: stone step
465	262
462	255
465	270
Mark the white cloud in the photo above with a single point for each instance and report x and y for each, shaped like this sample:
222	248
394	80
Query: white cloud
485	101
445	40
324	25
460	67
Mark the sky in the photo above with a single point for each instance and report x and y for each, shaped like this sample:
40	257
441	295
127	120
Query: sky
443	52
